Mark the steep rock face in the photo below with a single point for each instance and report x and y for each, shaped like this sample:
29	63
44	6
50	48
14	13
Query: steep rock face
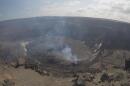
110	57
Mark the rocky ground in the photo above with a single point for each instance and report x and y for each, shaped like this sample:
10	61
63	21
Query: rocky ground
10	76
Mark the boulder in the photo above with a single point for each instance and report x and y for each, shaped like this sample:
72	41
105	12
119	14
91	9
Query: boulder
127	64
104	77
8	82
78	81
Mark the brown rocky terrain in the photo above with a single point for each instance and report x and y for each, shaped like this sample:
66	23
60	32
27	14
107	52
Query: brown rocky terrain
10	76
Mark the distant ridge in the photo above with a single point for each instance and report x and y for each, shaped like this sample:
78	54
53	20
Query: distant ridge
105	19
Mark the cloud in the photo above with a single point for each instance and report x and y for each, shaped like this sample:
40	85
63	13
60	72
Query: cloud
119	10
111	9
112	5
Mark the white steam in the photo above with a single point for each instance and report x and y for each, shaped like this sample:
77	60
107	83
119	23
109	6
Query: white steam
24	44
67	53
55	40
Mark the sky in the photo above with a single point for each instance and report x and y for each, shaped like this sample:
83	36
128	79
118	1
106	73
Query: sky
110	9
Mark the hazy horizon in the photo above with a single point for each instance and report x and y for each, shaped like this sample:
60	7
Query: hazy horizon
109	9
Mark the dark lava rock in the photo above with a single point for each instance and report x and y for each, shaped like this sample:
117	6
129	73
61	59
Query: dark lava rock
8	83
125	84
104	77
119	76
79	81
89	77
127	64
